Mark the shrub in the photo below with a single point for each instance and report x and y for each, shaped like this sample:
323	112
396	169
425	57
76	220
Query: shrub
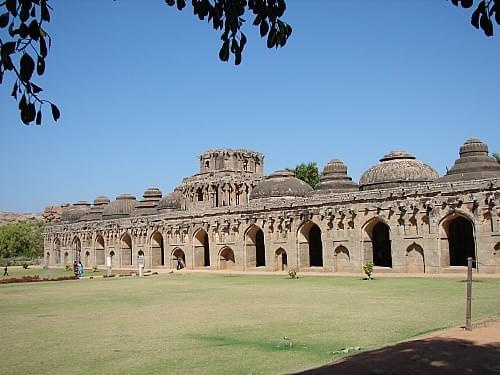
67	268
292	272
368	269
26	266
95	269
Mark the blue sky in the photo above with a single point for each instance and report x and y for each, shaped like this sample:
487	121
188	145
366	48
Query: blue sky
142	93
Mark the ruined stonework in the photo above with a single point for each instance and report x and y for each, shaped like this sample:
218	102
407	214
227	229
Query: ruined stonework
402	216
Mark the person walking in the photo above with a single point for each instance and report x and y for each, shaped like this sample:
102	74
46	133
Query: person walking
5	271
75	269
80	269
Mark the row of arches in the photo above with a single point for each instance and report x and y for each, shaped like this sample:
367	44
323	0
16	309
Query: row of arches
457	244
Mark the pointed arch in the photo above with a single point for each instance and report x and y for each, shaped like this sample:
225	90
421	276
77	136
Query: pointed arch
57	251
377	246
342	259
255	247
281	260
310	245
76	245
201	248
415	261
226	259
126	250
178	259
157	249
100	250
457	240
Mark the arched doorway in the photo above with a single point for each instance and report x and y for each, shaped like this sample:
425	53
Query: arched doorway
178	259
415	262
255	247
342	259
86	260
99	251
77	249
496	255
126	250
112	257
377	243
461	244
226	259
57	251
157	249
201	249
66	258
47	259
281	260
310	245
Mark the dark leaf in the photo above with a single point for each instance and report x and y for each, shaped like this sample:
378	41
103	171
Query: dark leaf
35	89
224	51
234	46
28	114
27	67
33	12
467	3
454	2
44	11
474	19
271	38
243	41
14	91
170	2
7	63
181	4
4	20
23	103
24	14
40	65
55	112
12	31
23	30
264	28
497	14
257	20
39	117
486	25
1	77
237	58
288	30
8	48
34	30
11	7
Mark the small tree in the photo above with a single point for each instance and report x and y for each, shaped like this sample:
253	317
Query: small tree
368	269
307	172
496	155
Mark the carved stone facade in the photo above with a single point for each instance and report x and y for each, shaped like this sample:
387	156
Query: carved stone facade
402	217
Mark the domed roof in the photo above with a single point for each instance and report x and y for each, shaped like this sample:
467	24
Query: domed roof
147	206
171	201
95	212
397	168
280	184
121	207
75	212
335	179
474	163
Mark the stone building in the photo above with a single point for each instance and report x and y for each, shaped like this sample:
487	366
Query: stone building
402	216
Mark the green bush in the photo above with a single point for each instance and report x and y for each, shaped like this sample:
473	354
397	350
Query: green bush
368	269
95	269
292	272
67	268
26	265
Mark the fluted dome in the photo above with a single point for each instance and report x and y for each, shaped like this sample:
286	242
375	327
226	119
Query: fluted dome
474	163
171	201
75	212
397	168
280	184
335	179
123	206
101	200
95	212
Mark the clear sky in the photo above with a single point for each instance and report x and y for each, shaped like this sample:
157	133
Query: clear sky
142	93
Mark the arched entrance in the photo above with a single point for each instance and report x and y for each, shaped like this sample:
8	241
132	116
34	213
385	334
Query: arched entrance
99	251
310	245
66	258
342	259
47	259
86	260
458	240
178	259
415	262
57	251
77	249
496	255
255	247
281	260
377	243
226	259
126	250
112	257
201	249
157	249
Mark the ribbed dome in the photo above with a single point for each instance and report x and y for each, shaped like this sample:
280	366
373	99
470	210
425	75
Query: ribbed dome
171	201
147	206
280	184
123	206
397	168
474	163
101	200
335	179
75	212
152	194
95	212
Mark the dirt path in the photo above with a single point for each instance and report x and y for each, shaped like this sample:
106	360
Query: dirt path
453	351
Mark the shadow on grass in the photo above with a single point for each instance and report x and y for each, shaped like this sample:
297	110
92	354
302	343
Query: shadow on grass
426	356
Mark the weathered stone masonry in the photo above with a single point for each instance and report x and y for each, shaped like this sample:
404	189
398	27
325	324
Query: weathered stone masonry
402	216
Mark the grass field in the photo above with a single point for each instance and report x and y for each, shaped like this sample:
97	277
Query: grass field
215	324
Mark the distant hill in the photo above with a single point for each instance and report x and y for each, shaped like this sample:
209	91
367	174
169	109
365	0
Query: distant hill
51	214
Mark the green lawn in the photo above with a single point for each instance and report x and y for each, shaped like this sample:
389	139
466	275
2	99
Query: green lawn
215	324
